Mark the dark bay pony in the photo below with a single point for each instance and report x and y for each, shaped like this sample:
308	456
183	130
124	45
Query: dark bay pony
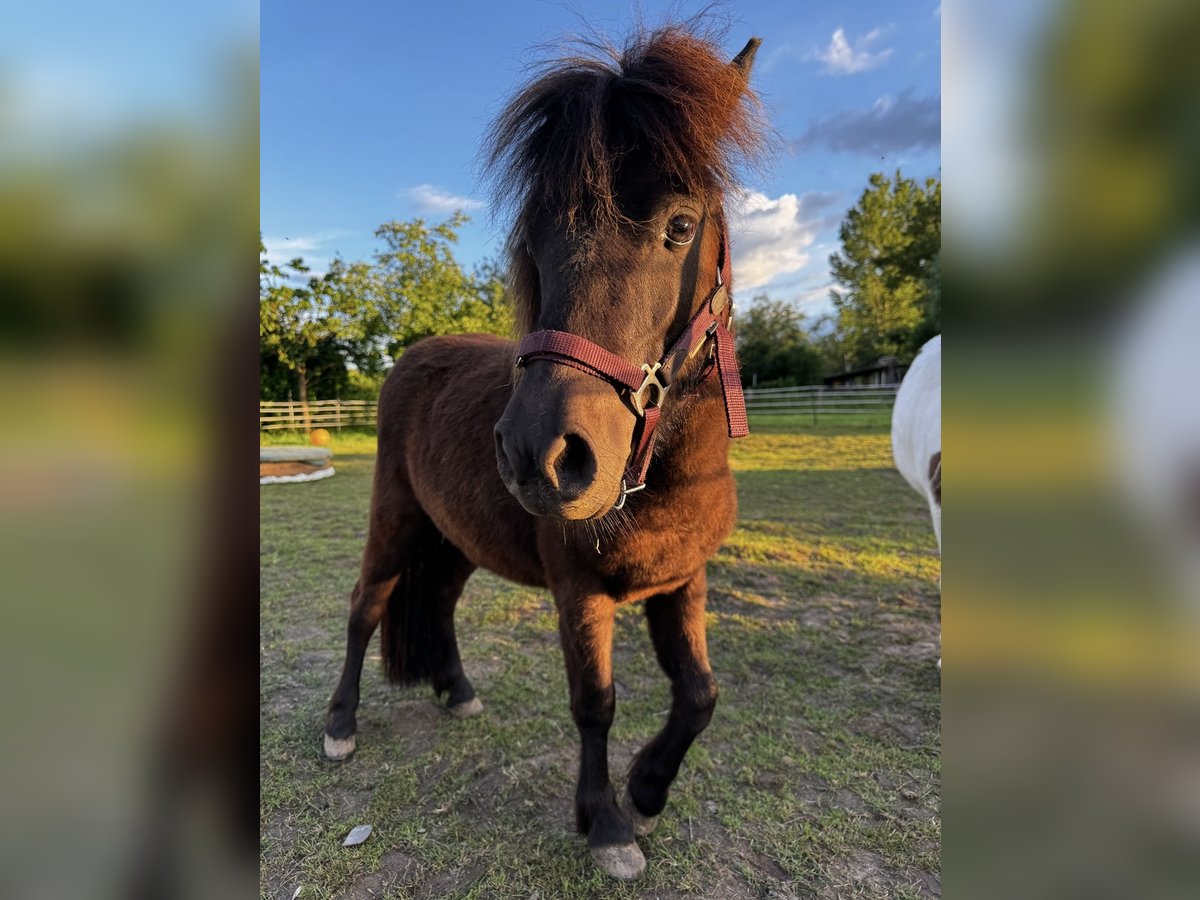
609	423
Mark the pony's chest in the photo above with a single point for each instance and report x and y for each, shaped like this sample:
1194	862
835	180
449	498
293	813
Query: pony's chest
666	545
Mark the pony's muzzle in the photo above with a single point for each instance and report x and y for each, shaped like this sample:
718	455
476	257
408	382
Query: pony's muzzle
562	443
550	475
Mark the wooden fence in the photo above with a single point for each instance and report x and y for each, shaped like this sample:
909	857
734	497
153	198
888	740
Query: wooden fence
811	401
277	416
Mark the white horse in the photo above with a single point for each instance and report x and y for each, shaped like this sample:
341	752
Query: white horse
917	429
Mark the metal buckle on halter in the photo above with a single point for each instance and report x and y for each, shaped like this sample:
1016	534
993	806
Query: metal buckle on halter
651	383
626	491
716	303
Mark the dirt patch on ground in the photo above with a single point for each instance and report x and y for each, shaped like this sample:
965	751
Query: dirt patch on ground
866	874
396	869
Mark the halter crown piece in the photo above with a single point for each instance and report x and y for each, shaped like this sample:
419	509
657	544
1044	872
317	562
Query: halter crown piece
646	386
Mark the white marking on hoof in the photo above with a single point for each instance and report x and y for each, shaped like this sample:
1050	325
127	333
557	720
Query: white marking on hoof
466	709
624	862
642	825
338	748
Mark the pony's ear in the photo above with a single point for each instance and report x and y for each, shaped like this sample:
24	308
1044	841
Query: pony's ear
745	59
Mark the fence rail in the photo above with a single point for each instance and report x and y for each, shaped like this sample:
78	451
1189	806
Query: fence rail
812	401
280	415
817	401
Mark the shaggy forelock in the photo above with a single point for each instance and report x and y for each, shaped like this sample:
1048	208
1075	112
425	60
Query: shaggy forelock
558	145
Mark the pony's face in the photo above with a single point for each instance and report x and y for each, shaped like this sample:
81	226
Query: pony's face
565	439
617	166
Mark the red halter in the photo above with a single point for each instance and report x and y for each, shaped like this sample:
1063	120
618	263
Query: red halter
646	386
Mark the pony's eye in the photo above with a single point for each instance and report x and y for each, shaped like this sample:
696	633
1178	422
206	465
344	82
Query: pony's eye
681	229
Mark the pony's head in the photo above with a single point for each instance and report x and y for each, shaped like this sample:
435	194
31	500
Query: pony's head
616	164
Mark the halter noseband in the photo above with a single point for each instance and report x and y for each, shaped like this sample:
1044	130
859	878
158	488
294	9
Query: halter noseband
646	386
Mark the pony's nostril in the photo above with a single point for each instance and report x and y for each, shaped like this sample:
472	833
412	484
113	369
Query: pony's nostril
575	466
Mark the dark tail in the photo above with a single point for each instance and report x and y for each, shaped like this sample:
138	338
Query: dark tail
411	644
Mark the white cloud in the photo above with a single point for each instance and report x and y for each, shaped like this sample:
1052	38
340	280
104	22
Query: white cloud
815	301
808	291
840	58
431	198
280	249
771	237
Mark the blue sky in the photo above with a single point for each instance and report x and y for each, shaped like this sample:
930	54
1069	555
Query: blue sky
373	111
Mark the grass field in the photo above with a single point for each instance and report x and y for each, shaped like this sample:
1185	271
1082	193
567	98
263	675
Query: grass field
818	777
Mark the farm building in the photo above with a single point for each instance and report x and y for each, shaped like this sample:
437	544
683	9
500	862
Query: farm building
888	370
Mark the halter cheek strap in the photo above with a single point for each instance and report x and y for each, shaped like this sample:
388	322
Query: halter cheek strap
646	386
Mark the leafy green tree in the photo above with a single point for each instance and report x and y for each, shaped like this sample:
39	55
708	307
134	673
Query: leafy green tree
773	347
293	320
889	240
931	324
328	374
493	308
832	348
339	333
419	289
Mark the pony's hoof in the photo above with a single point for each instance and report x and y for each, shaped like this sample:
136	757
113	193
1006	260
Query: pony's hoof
466	709
642	825
338	749
624	861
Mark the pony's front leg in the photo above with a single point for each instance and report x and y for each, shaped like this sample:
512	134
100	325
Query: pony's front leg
676	622
586	624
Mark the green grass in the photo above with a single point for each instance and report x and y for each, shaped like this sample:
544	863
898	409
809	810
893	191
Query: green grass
345	441
819	775
803	422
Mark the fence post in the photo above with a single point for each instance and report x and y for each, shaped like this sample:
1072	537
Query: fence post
812	405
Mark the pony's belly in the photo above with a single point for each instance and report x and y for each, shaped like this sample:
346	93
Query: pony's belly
512	562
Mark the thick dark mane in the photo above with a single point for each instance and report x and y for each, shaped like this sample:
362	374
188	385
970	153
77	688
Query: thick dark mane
558	145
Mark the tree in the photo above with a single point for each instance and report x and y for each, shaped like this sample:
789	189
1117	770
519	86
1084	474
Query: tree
931	324
493	310
312	328
327	374
889	240
422	290
341	331
832	348
773	347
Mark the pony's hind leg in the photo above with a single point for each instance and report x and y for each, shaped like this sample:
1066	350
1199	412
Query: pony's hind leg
411	581
444	573
676	623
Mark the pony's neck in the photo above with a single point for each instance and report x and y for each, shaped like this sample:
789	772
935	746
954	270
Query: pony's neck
695	438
